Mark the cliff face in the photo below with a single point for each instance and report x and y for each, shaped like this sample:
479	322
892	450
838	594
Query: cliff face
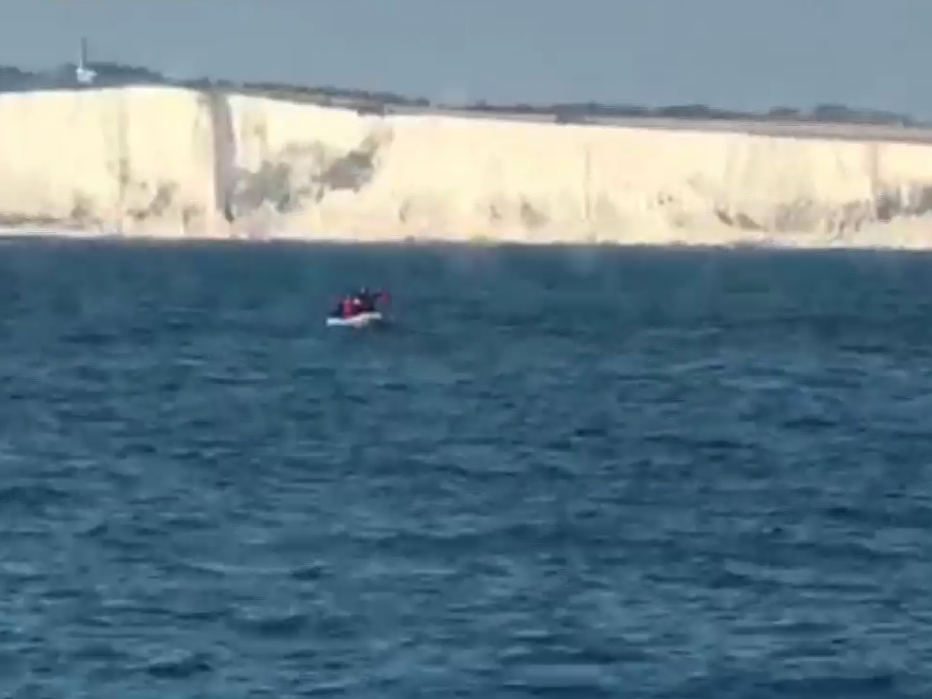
175	162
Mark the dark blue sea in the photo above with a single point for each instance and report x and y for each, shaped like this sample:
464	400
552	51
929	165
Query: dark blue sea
559	473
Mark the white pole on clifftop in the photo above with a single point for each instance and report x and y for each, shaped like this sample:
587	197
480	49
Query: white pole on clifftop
84	75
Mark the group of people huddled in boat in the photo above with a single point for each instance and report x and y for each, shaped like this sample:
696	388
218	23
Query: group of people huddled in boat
363	301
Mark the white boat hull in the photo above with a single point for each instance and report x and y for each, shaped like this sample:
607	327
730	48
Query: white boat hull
357	321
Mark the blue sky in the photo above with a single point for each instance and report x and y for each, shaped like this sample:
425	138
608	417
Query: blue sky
746	54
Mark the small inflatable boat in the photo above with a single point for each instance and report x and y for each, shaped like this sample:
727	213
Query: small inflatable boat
360	320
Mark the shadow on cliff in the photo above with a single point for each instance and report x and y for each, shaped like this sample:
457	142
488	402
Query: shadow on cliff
224	142
295	176
913	201
300	174
885	207
810	215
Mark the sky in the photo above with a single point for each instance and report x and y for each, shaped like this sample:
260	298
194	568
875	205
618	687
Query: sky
740	54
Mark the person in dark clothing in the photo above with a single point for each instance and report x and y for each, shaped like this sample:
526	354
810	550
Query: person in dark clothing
363	301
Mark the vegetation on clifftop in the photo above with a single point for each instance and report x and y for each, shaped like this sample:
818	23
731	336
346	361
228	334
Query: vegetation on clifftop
114	74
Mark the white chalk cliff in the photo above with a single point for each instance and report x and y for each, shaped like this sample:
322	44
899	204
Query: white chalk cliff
170	162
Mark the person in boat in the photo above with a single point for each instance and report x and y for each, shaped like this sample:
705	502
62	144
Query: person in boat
363	301
366	300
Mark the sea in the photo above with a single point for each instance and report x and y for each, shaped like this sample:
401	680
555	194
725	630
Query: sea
559	472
